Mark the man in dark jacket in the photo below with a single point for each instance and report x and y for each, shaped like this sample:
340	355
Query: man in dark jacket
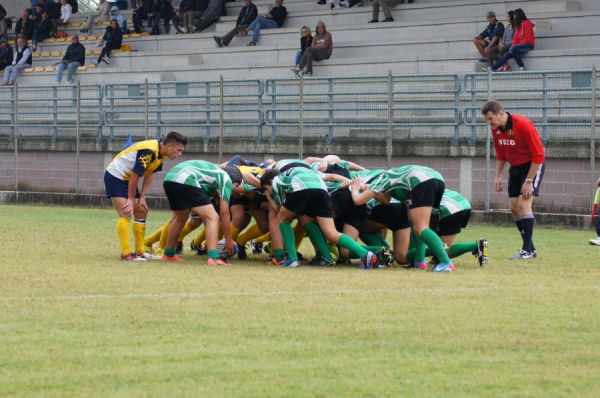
6	54
247	15
43	30
274	19
147	11
24	26
165	9
74	57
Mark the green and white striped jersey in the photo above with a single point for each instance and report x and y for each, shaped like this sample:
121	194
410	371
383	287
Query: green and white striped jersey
399	182
332	186
295	180
202	174
284	162
366	175
452	203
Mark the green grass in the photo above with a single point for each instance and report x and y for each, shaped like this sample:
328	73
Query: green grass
75	321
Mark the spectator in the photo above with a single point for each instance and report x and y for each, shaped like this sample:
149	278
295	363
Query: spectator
193	12
74	57
321	48
24	26
66	11
42	31
102	13
305	42
147	11
184	6
211	14
523	41
489	38
2	22
22	61
506	41
35	13
74	6
274	19
166	12
115	15
385	6
6	54
247	15
112	40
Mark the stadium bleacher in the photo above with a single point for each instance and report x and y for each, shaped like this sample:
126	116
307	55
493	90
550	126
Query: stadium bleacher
428	36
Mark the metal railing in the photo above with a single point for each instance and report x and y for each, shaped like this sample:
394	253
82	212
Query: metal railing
384	117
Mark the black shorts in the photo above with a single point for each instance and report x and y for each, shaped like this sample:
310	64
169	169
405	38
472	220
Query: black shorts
311	202
238	201
117	188
394	216
427	194
517	176
344	209
182	197
454	223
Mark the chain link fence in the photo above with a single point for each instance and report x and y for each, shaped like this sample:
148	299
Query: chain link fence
60	138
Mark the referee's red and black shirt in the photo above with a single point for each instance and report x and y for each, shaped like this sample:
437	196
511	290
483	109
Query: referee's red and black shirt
519	142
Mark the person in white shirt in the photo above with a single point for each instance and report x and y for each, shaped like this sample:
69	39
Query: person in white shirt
65	11
22	61
103	14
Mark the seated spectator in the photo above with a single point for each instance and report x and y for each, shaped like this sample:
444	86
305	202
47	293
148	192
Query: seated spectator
305	42
385	6
102	14
115	15
190	11
6	54
321	48
24	26
523	41
74	6
177	20
213	12
166	12
74	57
35	12
274	19
2	22
22	61
489	38
506	41
247	15
42	31
112	40
147	11
66	11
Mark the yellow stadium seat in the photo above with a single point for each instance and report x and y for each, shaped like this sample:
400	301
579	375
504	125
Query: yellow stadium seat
51	40
49	69
126	48
28	70
38	69
56	54
44	54
92	66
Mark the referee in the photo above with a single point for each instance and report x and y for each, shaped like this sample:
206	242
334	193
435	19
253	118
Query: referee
517	142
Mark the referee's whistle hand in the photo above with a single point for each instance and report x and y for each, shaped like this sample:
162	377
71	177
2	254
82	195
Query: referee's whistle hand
498	184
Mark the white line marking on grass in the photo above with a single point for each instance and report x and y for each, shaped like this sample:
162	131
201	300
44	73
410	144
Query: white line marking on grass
329	292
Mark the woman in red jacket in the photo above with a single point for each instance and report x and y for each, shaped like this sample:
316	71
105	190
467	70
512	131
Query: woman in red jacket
523	41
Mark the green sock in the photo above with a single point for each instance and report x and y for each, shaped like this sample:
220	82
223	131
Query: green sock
289	241
420	248
374	239
410	255
213	253
169	252
279	254
353	247
374	249
318	240
458	249
434	242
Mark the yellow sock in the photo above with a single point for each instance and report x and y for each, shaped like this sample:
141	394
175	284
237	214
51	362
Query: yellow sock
155	237
263	238
139	231
235	231
163	236
123	233
249	234
187	228
299	234
201	237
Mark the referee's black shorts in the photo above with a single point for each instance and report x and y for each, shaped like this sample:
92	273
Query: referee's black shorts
517	176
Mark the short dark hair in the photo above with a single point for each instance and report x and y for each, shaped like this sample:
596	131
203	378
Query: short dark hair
174	137
492	106
267	177
234	173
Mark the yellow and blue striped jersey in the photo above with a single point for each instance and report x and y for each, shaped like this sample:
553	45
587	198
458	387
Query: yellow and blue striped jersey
142	158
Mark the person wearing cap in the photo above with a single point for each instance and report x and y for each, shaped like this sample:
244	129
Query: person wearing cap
121	20
74	57
6	54
102	14
489	38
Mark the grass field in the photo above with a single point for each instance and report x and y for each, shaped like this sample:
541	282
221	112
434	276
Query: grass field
75	321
